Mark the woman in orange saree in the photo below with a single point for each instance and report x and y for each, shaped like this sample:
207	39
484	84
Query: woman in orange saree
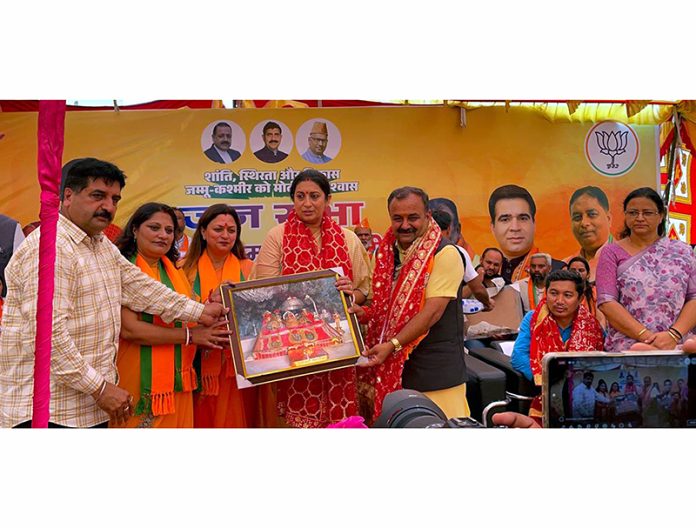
155	359
216	254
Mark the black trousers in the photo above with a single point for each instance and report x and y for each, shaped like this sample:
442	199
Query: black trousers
51	425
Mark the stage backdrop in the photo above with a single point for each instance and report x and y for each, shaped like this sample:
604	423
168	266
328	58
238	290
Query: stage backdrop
372	151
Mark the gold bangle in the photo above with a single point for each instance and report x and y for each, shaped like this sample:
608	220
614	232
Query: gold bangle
645	329
676	339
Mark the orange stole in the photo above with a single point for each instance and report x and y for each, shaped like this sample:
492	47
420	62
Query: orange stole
221	403
169	408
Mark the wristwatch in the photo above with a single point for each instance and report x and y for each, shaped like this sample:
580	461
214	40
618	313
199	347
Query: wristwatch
397	345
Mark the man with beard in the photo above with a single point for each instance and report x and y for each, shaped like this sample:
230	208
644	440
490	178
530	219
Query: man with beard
531	289
272	136
92	282
364	234
415	336
491	265
221	150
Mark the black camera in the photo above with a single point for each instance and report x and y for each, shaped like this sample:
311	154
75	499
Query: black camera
410	409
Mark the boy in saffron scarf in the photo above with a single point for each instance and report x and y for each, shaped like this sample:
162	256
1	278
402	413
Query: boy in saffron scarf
559	323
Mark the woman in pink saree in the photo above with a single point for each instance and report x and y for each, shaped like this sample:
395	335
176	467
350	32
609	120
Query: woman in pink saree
646	283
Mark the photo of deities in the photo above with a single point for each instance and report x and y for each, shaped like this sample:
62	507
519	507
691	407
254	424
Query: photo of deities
292	325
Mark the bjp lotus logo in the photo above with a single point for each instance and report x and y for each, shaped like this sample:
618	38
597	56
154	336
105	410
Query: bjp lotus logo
612	148
612	144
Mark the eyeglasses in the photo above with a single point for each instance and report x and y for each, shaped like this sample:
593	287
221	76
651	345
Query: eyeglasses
648	215
318	140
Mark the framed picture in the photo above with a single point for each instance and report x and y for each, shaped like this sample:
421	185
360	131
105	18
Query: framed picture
290	326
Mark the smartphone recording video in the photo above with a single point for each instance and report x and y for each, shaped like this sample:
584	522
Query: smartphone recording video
627	390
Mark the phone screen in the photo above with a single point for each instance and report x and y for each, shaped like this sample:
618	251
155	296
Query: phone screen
622	392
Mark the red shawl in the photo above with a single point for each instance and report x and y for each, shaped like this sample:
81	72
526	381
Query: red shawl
395	303
316	400
586	334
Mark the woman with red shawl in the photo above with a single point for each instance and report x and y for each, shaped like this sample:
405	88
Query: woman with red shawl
311	240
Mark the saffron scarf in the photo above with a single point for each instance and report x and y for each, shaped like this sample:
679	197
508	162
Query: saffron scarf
586	334
206	280
532	294
396	300
164	369
316	400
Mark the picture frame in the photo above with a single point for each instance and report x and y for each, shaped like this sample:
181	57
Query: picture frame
290	326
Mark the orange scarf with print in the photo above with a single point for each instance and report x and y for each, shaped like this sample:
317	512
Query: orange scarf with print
206	280
165	369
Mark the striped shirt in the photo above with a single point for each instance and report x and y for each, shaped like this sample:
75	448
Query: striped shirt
92	282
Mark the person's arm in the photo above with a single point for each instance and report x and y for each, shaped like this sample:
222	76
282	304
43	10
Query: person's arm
416	327
360	262
141	293
608	298
68	367
143	333
479	290
442	287
520	352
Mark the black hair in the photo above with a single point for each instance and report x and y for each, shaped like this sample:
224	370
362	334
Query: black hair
595	192
483	255
589	295
78	173
271	124
313	176
566	275
650	194
221	124
198	245
443	219
404	192
507	192
126	241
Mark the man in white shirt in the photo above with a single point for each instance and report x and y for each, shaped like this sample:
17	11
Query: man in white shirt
584	398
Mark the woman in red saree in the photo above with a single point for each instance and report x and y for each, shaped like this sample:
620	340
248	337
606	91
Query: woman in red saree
311	240
216	254
155	359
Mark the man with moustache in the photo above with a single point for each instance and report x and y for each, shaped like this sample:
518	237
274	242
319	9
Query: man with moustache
512	211
317	142
92	282
415	336
531	289
591	223
272	136
491	265
221	150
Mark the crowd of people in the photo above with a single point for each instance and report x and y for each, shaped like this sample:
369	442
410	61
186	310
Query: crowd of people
140	338
629	400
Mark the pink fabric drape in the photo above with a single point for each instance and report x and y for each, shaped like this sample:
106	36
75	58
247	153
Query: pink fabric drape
50	155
